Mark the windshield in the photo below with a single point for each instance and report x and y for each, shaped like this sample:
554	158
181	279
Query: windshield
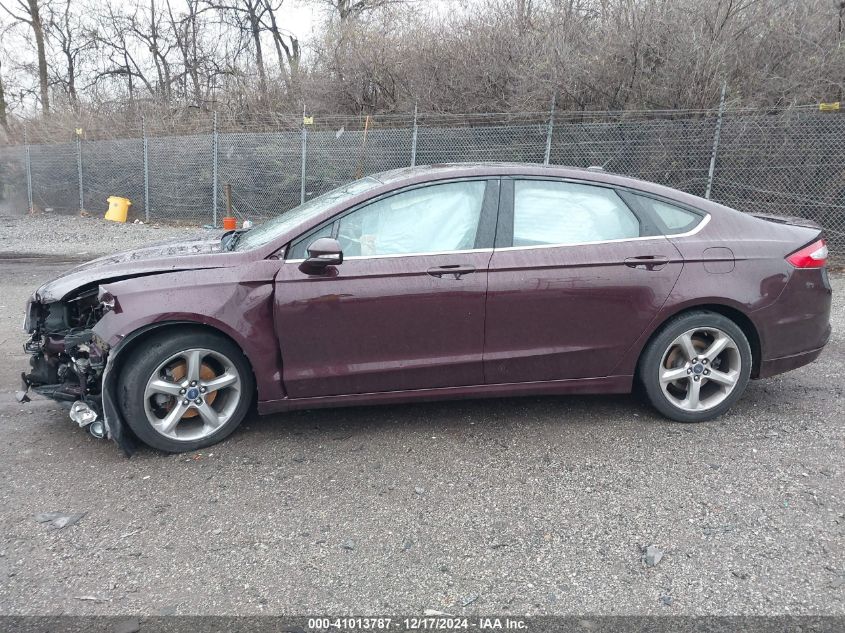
269	230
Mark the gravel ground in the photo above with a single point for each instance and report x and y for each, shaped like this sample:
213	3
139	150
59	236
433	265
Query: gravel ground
81	237
522	506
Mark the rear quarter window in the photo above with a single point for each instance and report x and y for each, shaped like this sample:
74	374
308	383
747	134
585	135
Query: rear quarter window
669	218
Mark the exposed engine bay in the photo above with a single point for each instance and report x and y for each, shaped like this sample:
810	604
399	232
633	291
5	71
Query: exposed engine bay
67	359
75	347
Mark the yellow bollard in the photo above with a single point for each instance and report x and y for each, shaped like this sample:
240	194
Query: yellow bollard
118	209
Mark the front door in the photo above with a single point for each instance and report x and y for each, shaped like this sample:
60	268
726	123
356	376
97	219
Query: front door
405	309
573	282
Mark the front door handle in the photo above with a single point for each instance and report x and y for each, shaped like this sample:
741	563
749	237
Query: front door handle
451	269
647	262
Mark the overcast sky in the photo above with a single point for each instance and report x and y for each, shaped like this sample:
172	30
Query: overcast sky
302	18
298	16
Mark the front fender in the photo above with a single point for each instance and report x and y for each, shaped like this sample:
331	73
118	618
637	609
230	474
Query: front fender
237	302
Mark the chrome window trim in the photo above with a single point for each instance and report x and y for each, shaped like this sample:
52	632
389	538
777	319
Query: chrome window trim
704	221
471	250
693	231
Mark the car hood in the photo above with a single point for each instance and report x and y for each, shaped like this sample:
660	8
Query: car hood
161	257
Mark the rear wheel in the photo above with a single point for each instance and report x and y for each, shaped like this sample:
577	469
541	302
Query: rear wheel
185	390
696	367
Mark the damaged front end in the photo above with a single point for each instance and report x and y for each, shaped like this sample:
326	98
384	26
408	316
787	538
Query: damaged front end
67	359
78	329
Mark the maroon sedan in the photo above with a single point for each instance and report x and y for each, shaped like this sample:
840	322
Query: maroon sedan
453	281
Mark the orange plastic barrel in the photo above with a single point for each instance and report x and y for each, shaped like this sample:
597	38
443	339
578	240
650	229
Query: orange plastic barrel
230	223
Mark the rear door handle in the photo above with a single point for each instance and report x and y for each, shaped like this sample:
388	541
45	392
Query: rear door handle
451	269
647	262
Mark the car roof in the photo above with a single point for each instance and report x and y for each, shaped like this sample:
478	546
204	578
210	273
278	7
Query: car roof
440	171
446	170
424	173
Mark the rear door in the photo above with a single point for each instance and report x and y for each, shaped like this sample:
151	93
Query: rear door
405	309
575	278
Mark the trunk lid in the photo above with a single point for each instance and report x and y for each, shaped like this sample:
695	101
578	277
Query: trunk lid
792	231
789	220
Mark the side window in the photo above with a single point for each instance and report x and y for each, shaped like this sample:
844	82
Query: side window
553	212
670	219
299	249
432	219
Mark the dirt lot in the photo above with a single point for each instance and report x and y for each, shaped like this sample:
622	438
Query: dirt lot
499	506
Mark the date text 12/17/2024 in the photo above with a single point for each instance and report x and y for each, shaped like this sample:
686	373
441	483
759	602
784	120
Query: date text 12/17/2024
424	623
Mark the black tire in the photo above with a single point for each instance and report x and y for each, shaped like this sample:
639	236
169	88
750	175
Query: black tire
146	357
652	359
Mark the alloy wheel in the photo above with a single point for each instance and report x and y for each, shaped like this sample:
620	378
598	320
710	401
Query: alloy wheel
192	394
700	369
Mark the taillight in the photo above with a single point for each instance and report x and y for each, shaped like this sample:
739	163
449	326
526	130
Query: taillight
812	256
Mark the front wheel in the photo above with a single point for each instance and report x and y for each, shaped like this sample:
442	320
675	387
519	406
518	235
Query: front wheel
696	367
185	390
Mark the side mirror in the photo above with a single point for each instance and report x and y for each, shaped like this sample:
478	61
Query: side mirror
322	252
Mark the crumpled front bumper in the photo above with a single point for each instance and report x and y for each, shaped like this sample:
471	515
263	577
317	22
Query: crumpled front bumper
116	427
72	365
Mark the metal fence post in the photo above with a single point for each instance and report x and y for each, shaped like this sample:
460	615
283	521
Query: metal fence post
304	155
146	172
79	166
214	143
414	140
28	169
716	136
550	131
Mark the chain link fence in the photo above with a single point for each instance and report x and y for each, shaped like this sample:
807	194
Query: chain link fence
789	162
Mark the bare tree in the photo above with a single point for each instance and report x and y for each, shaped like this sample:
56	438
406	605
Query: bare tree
186	33
119	53
247	16
284	41
350	9
146	26
241	58
28	12
68	33
4	121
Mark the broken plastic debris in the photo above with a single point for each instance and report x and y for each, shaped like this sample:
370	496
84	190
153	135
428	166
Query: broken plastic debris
21	395
58	520
652	555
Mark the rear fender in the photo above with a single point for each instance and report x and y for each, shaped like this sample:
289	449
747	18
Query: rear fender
752	286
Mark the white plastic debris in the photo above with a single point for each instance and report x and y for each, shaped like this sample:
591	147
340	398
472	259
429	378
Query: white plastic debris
652	555
58	520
